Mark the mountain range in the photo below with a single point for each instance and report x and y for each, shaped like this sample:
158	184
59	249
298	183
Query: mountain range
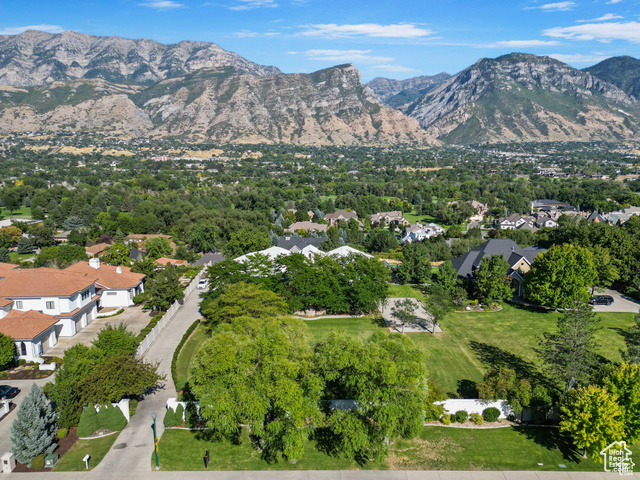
201	92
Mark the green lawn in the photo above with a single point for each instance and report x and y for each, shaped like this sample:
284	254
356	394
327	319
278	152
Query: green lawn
184	450
190	347
436	448
405	291
19	257
22	212
360	327
517	448
472	343
414	217
97	448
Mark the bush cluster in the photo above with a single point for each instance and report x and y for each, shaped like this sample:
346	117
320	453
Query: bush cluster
477	418
174	419
62	433
446	419
491	414
462	416
108	418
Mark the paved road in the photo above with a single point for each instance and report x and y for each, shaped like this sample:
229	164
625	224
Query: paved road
324	475
134	447
621	303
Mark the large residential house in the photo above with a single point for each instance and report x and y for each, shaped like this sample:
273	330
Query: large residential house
68	300
396	218
335	217
420	232
481	211
117	285
519	260
552	207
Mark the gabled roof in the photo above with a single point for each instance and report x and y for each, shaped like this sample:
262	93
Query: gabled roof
341	213
45	282
170	261
98	248
272	253
467	263
108	276
300	242
7	269
347	250
4	302
308	226
211	257
25	325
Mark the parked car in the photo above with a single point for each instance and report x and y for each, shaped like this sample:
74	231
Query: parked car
202	284
7	391
601	300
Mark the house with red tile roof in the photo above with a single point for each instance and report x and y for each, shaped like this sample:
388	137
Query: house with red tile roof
96	250
69	297
33	332
164	261
116	285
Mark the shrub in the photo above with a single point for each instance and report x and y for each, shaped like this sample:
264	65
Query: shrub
179	416
88	422
111	418
170	418
491	414
62	433
176	352
22	361
446	419
477	418
141	298
133	404
5	374
461	416
38	462
511	417
191	415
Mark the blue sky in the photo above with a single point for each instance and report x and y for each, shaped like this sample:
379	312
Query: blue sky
395	39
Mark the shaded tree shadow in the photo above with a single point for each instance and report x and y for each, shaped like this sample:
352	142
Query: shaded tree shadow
495	358
329	443
531	308
379	322
552	438
466	389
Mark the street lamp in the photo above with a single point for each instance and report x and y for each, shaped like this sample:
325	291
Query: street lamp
155	441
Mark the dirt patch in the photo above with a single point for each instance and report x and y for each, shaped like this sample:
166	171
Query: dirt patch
25	372
64	445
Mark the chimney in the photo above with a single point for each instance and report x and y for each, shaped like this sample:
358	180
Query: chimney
94	262
119	270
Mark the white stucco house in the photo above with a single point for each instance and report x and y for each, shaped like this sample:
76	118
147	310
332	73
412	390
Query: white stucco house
116	285
39	305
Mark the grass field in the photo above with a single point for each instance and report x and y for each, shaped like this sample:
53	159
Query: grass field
472	343
19	257
436	448
97	448
22	212
405	291
184	358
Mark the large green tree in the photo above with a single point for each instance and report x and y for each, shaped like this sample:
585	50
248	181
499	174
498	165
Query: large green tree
561	276
632	341
415	266
491	283
624	382
593	419
203	237
569	353
259	373
164	288
246	241
386	377
117	254
7	350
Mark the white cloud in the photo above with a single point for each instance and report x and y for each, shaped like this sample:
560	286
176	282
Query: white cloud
245	34
520	44
251	4
41	28
554	7
613	2
393	68
603	32
604	18
400	30
345	56
162	5
579	57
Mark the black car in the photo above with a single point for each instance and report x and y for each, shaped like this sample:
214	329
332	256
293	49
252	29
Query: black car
601	300
8	392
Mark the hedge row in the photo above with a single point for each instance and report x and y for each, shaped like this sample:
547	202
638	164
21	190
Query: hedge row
174	360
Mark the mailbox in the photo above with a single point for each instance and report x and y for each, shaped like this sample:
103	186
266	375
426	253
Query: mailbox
86	460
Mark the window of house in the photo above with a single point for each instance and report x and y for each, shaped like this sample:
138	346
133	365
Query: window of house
19	304
86	294
112	293
50	306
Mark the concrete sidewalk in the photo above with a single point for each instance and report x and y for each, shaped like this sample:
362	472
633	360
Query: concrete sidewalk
133	449
323	475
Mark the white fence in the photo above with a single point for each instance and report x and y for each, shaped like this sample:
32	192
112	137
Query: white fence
168	316
452	405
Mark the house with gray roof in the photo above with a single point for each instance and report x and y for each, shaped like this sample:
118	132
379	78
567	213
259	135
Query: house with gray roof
518	258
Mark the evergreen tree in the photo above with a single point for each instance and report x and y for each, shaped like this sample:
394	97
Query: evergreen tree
34	428
570	352
4	255
169	418
492	284
179	416
25	245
